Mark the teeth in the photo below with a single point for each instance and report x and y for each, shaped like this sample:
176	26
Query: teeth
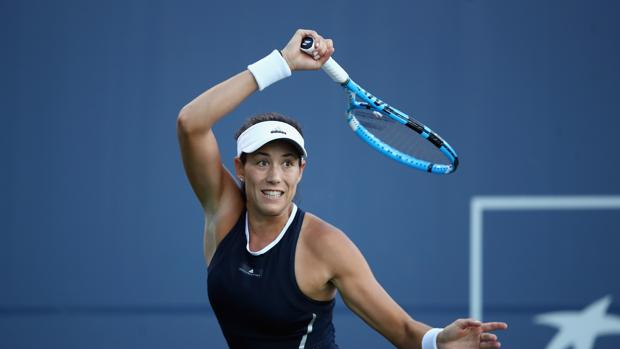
272	194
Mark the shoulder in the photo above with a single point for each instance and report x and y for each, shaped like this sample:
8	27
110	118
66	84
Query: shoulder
319	231
324	240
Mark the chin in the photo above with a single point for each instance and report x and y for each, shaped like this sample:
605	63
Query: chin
273	209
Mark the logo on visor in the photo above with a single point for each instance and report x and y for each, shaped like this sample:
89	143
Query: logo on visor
278	130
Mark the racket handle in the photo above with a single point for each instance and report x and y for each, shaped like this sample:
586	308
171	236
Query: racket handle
335	71
330	67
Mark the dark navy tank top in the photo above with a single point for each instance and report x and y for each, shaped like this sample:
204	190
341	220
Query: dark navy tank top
256	298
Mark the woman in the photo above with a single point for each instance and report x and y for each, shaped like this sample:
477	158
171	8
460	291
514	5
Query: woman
274	270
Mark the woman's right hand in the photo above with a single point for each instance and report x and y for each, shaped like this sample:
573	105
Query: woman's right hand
299	60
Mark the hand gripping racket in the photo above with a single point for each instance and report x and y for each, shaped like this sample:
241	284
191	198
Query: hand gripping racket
387	129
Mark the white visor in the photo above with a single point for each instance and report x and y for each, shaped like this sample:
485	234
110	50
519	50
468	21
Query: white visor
264	132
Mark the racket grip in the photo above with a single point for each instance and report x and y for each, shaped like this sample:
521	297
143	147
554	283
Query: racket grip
335	71
330	67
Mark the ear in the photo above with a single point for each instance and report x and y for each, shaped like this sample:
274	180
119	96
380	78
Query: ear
239	170
302	166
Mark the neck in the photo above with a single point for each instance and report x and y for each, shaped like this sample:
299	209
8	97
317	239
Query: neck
263	228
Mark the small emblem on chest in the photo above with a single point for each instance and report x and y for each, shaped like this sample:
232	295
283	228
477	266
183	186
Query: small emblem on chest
250	271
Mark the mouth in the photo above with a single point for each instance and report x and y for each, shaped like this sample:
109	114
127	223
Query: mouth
272	194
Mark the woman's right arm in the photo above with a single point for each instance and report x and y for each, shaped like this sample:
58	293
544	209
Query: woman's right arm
201	155
212	183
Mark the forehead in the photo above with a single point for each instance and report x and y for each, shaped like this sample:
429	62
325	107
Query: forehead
278	147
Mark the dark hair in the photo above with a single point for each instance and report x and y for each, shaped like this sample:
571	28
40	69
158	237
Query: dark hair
270	116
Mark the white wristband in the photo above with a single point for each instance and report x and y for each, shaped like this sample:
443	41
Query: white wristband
429	341
270	69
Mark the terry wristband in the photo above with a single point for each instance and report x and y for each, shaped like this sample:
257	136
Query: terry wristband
429	341
270	69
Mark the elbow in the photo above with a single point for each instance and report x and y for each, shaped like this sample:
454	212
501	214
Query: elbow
182	121
193	120
185	124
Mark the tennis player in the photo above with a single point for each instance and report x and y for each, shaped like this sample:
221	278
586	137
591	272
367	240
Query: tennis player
273	269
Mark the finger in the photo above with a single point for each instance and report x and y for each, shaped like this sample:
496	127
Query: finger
492	326
326	56
489	345
488	337
319	47
325	45
465	323
328	53
329	44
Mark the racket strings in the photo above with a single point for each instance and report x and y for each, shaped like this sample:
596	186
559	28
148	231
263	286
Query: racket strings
398	136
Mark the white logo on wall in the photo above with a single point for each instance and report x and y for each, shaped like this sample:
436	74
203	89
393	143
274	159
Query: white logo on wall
579	329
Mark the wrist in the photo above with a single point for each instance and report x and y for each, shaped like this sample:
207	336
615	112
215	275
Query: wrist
287	59
429	341
270	69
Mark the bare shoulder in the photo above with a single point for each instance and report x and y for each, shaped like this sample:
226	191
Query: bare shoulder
320	232
332	252
324	239
323	255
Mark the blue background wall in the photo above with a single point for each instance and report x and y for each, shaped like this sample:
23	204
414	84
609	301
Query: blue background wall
100	234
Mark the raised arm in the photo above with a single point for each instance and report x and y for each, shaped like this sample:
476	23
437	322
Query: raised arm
199	149
212	183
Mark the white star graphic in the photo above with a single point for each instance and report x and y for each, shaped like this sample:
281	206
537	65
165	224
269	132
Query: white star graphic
579	329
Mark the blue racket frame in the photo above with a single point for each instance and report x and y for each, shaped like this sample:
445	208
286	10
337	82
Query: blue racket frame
358	98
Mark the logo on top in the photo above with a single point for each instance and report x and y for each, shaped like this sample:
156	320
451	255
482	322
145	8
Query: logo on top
278	130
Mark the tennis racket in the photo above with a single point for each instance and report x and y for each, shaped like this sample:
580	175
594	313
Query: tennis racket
387	129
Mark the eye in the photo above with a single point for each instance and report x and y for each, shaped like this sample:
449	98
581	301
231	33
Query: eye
288	163
262	163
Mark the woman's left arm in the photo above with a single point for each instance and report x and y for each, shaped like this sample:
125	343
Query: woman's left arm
363	294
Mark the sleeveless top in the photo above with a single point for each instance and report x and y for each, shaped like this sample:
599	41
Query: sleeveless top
255	295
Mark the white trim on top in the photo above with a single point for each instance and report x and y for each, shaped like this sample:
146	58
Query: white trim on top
275	241
302	344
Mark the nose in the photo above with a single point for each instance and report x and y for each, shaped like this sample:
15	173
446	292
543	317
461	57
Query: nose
275	175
